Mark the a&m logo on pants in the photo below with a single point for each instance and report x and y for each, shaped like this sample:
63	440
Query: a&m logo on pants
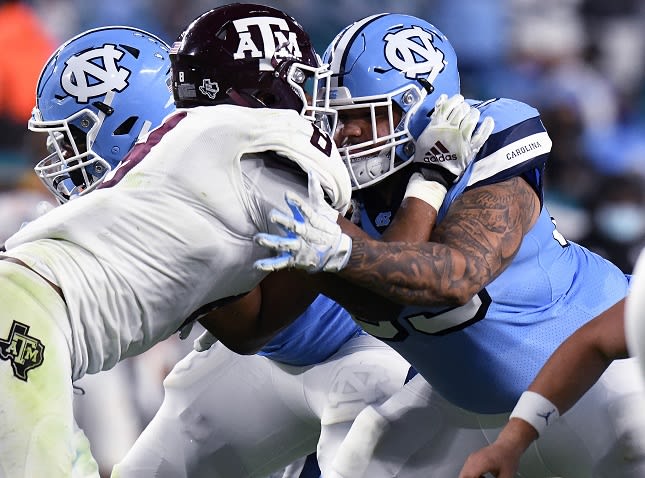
23	351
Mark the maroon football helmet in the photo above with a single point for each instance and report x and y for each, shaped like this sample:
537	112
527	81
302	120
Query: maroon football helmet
250	55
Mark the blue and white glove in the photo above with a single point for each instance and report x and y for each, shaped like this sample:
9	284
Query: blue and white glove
313	242
450	141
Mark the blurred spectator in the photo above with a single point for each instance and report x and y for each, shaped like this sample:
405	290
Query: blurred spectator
615	30
61	18
25	48
618	220
568	177
478	31
142	14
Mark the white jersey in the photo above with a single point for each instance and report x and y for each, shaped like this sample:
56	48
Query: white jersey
171	231
635	313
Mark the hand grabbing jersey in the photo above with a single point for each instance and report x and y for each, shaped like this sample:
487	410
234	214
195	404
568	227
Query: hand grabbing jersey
452	139
313	241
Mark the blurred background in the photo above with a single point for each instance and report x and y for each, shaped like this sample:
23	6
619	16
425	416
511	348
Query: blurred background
581	63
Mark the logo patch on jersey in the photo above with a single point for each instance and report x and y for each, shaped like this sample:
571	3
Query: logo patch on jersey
280	42
94	73
412	51
383	219
358	383
22	350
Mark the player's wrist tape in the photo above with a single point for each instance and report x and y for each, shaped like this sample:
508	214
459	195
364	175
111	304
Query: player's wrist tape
431	192
535	409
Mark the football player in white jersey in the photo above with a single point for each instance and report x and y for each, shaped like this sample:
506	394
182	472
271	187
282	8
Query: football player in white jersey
226	415
351	368
129	94
482	306
117	79
314	377
109	274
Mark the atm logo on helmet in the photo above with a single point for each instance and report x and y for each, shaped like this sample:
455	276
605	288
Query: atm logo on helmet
280	42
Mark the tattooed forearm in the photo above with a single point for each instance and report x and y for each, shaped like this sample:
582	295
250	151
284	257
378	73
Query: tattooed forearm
475	243
407	273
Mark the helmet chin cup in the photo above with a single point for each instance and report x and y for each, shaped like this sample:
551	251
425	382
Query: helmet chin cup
369	169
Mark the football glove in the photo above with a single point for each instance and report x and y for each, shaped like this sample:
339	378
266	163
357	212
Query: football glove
313	242
450	141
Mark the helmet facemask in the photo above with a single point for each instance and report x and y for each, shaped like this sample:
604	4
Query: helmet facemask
311	85
73	168
380	61
374	159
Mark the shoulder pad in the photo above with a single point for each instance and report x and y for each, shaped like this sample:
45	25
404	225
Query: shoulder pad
505	111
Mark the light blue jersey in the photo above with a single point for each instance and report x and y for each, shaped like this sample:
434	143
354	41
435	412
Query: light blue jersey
483	355
316	335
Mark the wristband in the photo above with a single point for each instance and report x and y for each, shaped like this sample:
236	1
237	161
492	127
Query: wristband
535	409
431	192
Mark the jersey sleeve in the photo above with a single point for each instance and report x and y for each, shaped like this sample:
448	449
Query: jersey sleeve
234	131
288	134
518	146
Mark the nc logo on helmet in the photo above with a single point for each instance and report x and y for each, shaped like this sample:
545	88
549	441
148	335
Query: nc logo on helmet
412	52
94	73
283	38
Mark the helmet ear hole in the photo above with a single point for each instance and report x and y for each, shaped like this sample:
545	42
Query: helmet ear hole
126	126
266	98
135	52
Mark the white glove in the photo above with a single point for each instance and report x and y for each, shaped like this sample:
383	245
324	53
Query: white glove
450	141
314	241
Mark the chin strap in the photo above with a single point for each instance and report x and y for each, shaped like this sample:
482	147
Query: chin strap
240	100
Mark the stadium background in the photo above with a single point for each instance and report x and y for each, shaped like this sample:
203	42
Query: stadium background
580	62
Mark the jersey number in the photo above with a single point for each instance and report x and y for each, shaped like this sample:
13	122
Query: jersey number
430	323
321	141
558	236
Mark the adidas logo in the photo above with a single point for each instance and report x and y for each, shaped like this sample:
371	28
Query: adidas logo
438	154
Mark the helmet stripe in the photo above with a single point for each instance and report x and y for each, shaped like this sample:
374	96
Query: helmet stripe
342	42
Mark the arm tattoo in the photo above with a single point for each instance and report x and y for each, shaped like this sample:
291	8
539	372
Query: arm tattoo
475	242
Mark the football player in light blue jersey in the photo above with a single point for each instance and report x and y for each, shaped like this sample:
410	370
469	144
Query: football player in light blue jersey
481	307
